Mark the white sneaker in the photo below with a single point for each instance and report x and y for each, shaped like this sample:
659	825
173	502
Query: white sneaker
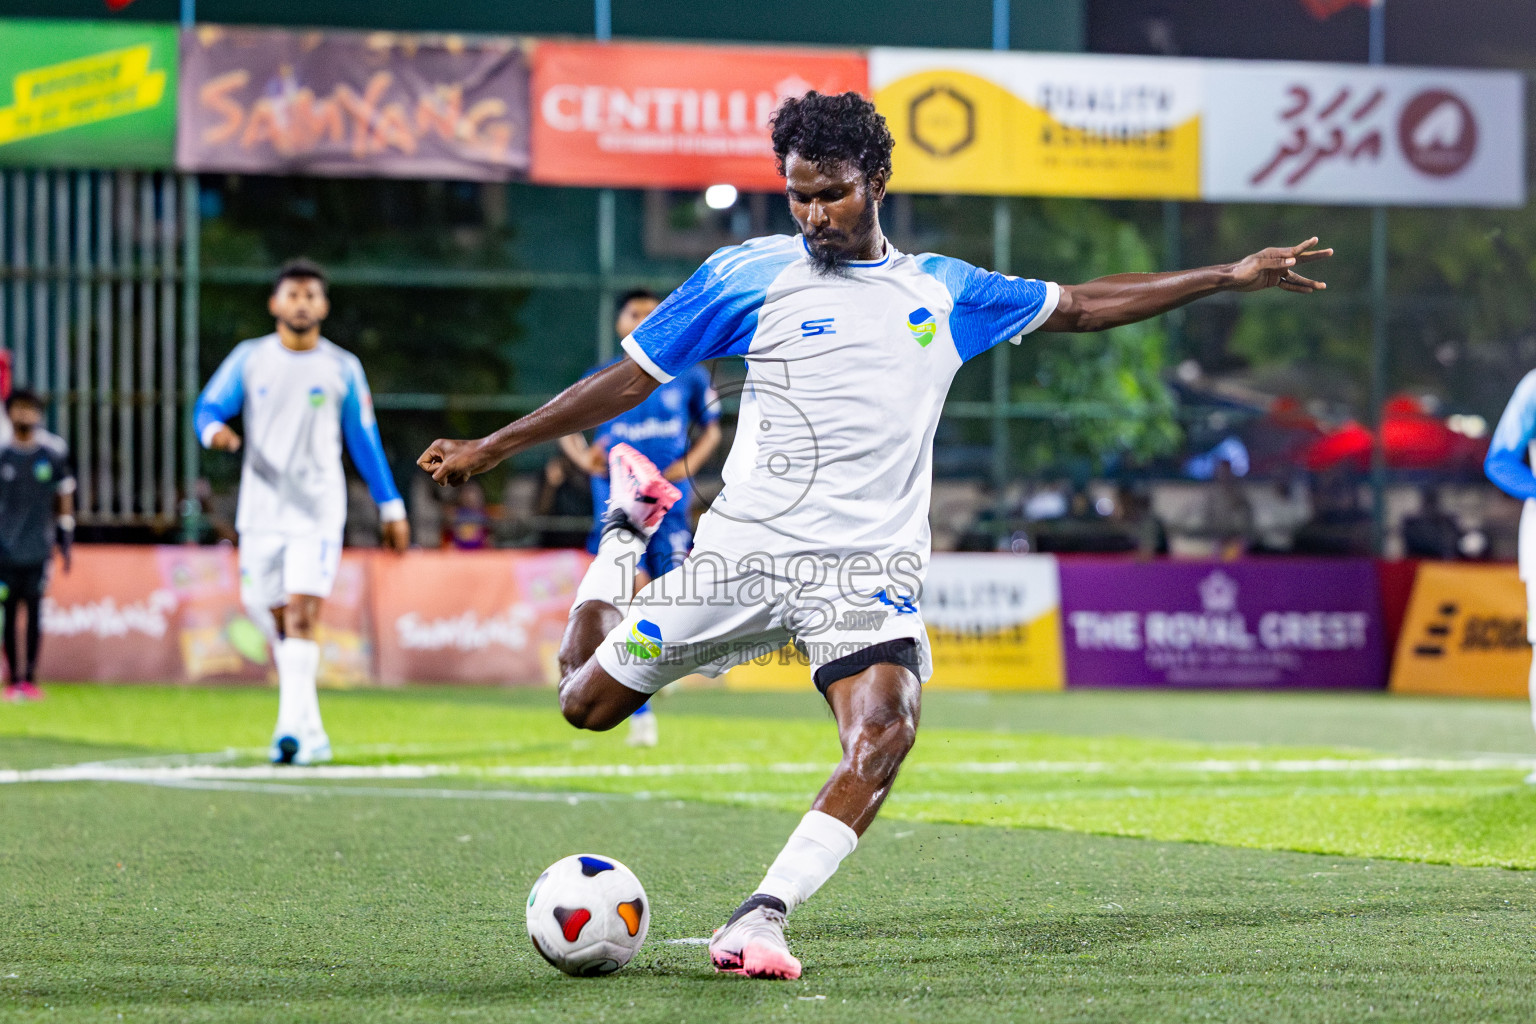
290	749
637	491
642	730
1530	780
753	944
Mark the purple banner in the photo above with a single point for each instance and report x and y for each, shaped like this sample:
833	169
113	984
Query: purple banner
1286	622
352	104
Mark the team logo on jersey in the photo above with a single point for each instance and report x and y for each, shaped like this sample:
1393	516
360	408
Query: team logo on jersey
42	470
812	328
644	640
923	326
316	397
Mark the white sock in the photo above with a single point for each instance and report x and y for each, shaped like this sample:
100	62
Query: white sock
1533	687
298	705
611	576
815	849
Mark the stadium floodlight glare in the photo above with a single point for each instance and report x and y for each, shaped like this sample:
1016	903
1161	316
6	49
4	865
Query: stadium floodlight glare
720	197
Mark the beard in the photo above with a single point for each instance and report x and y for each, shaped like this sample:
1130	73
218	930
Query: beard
833	259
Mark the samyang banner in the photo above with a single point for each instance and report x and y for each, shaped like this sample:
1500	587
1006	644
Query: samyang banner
1257	623
87	94
353	104
644	115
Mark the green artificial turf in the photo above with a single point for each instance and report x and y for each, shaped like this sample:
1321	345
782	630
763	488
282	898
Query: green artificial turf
382	899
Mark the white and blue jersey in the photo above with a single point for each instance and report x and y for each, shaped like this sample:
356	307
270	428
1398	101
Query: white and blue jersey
846	379
1508	465
298	407
659	428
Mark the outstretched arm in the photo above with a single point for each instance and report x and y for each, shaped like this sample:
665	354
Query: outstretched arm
1127	298
588	402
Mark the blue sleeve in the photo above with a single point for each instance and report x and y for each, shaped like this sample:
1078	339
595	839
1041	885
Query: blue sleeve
714	312
990	308
222	399
1507	465
703	403
361	430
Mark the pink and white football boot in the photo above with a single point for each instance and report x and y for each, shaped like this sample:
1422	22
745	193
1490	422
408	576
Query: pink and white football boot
639	497
752	942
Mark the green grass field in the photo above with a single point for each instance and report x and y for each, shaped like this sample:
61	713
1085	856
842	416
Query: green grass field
1053	857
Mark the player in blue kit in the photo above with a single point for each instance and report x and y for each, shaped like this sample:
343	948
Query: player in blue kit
1508	465
662	428
300	396
820	536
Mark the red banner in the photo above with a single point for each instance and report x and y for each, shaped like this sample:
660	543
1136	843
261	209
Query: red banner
473	617
173	614
649	116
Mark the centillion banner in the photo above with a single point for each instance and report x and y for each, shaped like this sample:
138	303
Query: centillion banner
1032	124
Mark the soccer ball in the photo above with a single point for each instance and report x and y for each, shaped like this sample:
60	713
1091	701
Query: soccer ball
588	915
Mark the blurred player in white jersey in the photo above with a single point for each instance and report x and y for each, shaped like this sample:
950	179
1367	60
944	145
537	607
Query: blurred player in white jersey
1509	462
300	396
820	536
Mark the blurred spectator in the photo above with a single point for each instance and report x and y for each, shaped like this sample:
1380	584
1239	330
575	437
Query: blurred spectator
1433	532
1341	526
1134	510
566	494
1227	518
362	516
470	523
1279	514
426	511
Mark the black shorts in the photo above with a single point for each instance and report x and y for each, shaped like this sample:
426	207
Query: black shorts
23	582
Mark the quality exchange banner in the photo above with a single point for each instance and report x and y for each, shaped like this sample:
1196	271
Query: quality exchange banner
1258	623
353	104
87	94
993	623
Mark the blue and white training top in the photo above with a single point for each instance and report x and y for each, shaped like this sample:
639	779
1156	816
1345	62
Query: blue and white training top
1509	460
659	427
846	378
297	408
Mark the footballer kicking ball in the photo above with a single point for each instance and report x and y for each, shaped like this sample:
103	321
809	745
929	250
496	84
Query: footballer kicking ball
588	915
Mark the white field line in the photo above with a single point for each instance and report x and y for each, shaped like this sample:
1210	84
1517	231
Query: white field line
171	773
419	792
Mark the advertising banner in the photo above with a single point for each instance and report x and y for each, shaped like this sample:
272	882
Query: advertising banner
1338	133
1259	623
657	116
87	94
994	622
353	104
173	614
1465	633
1035	124
473	617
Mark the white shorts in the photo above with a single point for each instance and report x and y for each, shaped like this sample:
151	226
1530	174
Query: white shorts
274	565
672	630
1527	556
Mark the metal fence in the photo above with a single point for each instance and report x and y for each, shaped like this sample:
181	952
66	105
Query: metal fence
91	295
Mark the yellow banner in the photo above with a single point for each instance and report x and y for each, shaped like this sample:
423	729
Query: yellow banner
1026	124
81	91
1465	634
994	623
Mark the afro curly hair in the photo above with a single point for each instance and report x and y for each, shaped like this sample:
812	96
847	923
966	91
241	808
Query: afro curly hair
829	130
